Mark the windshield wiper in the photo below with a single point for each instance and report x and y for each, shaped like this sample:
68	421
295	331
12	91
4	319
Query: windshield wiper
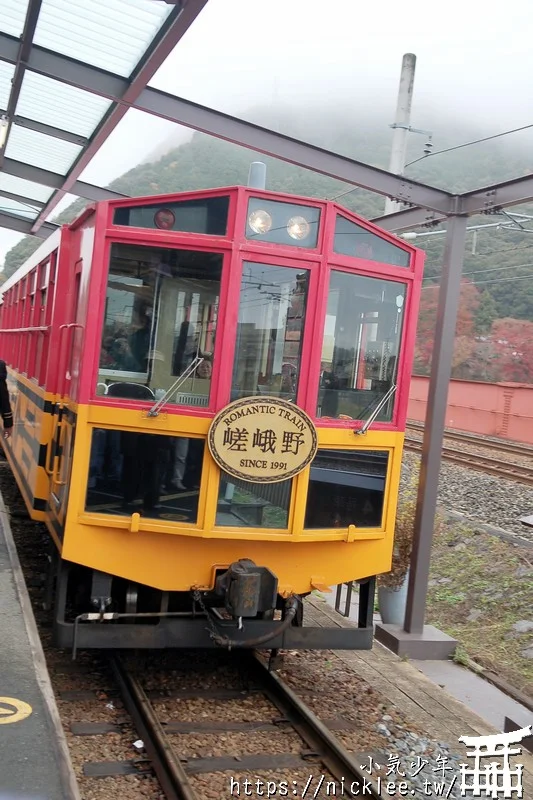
376	411
156	408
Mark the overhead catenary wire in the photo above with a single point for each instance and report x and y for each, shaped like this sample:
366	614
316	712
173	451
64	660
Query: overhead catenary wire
492	269
467	144
446	150
484	283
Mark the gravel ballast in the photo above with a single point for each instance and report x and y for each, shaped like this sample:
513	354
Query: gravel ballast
482	498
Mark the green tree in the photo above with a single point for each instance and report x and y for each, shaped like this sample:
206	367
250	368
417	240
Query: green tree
486	313
19	253
29	244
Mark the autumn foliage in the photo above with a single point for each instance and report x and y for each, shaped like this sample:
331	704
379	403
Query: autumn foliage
485	349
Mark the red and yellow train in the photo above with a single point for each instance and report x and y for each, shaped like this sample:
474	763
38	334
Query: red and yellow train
210	394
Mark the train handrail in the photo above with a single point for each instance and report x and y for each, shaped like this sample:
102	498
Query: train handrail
52	466
30	329
51	455
54	443
56	477
62	368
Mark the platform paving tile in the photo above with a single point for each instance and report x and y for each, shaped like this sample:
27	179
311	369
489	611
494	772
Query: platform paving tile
33	764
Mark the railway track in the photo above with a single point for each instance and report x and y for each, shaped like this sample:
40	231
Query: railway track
512	448
521	473
319	760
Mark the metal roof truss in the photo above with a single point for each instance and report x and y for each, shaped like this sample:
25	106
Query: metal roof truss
425	205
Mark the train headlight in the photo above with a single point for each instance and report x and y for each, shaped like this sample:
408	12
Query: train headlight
298	228
260	221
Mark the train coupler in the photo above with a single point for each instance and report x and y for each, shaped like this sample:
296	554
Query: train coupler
247	589
101	592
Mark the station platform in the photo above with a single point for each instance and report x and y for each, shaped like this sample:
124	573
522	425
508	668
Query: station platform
35	764
480	696
444	699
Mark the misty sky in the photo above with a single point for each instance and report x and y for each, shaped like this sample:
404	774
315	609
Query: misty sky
474	60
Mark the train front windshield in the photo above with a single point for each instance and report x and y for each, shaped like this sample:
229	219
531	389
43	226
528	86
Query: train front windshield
360	347
286	302
160	323
270	331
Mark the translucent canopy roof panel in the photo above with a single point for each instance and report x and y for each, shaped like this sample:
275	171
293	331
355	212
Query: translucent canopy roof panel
6	76
54	103
13	16
110	34
55	129
41	150
20	209
24	188
148	139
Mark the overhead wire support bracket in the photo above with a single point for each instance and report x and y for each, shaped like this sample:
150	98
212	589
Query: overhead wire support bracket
411	129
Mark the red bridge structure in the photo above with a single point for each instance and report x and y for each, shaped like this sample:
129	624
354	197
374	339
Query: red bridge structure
503	410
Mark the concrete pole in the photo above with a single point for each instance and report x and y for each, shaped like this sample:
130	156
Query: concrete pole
403	117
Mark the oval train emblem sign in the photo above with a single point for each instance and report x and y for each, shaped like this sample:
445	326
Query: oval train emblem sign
262	439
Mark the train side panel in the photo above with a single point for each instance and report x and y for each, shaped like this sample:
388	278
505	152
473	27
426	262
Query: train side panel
70	337
28	449
27	344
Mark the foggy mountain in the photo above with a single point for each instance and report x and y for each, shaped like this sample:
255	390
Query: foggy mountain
206	162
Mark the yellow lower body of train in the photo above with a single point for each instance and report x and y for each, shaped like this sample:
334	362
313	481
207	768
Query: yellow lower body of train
136	564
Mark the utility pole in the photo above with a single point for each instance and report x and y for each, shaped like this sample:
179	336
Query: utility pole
401	124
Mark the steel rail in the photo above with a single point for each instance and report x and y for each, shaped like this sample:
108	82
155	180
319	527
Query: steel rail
323	744
513	448
490	466
167	767
337	760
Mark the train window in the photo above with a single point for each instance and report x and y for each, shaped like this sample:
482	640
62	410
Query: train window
155	475
44	271
360	348
282	223
252	505
160	323
346	487
207	215
270	331
53	265
353	240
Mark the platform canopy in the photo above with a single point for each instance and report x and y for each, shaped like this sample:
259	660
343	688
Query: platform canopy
69	72
71	69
